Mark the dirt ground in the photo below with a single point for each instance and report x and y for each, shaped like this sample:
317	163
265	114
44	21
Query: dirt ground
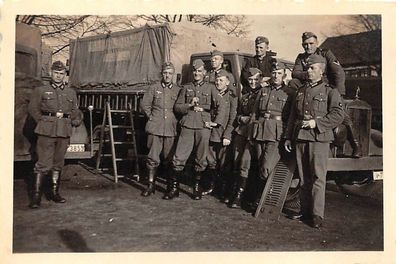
101	217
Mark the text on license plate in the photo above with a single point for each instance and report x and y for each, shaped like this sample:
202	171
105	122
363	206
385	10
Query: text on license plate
378	175
76	148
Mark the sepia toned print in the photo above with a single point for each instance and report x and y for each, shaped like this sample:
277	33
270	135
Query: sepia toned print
296	164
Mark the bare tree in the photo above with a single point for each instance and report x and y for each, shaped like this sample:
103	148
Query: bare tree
358	23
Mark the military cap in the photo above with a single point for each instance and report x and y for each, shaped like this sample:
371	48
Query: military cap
307	35
254	71
261	39
222	73
315	58
217	53
167	65
58	66
198	64
277	65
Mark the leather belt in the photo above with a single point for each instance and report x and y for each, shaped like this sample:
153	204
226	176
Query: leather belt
270	116
54	114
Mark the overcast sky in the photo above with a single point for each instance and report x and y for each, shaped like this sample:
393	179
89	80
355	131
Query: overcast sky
284	31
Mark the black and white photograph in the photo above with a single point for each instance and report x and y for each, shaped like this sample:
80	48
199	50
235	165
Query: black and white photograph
196	132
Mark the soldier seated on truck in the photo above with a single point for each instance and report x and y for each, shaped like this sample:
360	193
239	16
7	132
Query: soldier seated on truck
219	160
157	104
334	75
194	104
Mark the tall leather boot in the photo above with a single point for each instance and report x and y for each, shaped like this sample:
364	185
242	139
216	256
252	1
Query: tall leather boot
236	201
173	185
54	194
35	200
356	150
212	174
151	183
197	192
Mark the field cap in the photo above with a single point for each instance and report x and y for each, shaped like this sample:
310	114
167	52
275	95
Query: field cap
198	63
168	65
307	35
58	66
261	39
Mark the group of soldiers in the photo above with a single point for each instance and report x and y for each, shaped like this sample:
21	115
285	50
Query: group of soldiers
205	119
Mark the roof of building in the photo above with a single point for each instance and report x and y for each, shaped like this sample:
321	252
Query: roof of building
356	49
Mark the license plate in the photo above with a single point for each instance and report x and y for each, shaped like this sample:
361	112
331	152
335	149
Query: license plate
378	175
76	148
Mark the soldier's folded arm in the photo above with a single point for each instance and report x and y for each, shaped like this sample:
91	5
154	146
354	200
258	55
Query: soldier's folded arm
335	114
181	107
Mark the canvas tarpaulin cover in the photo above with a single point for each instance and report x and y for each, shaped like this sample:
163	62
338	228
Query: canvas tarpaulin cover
122	58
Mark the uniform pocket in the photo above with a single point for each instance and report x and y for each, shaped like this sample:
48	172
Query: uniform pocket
320	103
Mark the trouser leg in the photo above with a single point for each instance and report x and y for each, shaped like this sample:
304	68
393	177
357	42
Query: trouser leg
319	156
304	171
184	147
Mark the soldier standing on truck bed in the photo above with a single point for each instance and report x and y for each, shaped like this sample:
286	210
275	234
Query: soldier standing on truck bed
262	61
194	103
157	104
54	108
242	149
334	75
270	115
219	160
316	110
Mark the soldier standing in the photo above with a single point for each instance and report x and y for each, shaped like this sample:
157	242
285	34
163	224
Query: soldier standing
316	111
217	60
54	108
262	61
220	137
334	75
194	103
157	104
242	148
270	116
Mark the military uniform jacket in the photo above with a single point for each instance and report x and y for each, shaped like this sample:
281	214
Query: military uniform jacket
47	99
315	101
207	94
245	108
157	104
230	102
334	73
271	112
